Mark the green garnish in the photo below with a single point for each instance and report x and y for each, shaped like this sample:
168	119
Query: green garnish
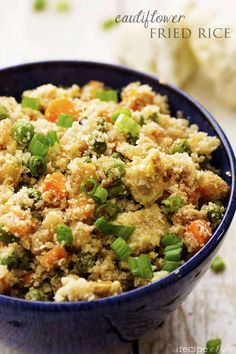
109	24
34	194
35	295
118	191
52	137
99	147
141	266
172	204
30	102
121	249
39	145
215	213
92	188
169	266
169	239
63	6
65	120
64	235
213	346
22	132
127	125
9	261
122	110
84	262
173	254
218	265
7	237
37	166
107	95
108	210
114	169
181	145
107	228
3	113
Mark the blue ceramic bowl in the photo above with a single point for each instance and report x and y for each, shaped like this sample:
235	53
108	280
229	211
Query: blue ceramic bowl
90	327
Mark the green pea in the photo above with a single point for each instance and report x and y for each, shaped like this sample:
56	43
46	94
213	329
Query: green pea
37	166
22	132
181	145
114	168
99	147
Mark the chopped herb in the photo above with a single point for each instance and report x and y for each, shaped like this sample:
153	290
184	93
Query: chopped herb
218	265
107	95
213	346
109	23
30	102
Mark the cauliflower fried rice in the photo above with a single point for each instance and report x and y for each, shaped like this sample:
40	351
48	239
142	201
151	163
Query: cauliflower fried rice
100	192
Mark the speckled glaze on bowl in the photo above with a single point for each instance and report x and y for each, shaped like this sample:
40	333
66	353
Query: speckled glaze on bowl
90	327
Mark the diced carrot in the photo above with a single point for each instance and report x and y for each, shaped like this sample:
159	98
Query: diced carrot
200	230
26	279
52	258
56	185
60	105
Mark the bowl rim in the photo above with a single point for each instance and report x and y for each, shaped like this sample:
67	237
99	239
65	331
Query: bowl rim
188	266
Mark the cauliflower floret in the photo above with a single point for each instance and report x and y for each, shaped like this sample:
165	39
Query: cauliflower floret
79	289
201	143
212	187
137	96
150	225
144	178
89	90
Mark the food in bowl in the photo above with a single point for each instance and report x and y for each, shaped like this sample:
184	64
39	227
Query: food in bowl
100	194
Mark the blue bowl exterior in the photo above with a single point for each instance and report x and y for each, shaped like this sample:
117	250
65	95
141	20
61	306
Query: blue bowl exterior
84	327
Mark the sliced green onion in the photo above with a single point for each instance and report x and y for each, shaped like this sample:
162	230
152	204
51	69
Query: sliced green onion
218	265
173	255
118	191
52	137
181	145
22	132
87	159
39	145
65	120
37	166
107	228
63	6
213	346
127	125
133	264
7	237
39	5
89	186
169	266
109	24
99	147
100	195
64	234
174	247
122	110
108	210
120	247
114	169
141	267
30	102
107	95
3	113
172	204
92	188
169	239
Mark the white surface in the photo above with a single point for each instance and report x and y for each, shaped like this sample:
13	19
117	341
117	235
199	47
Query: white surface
26	36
